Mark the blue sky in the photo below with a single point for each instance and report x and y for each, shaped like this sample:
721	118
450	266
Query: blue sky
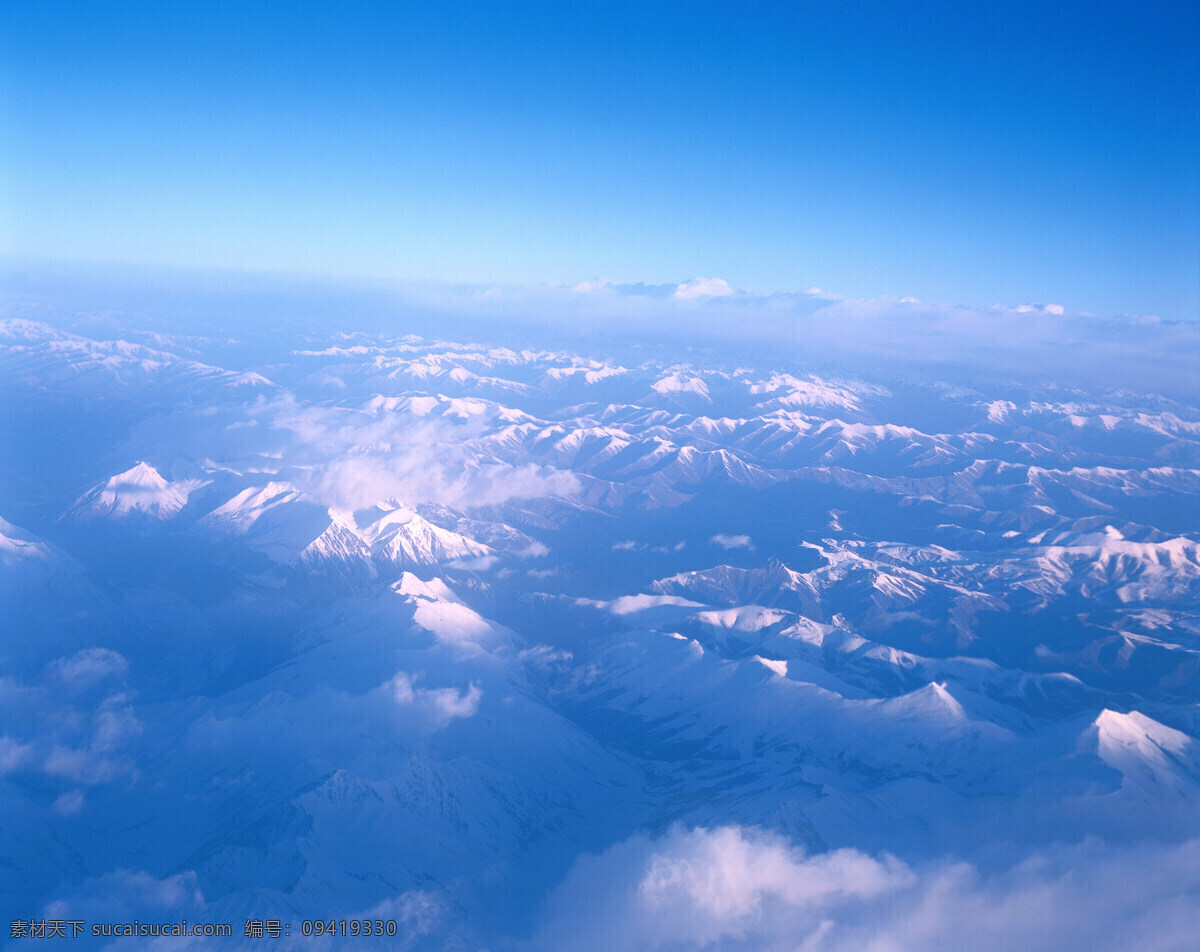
967	153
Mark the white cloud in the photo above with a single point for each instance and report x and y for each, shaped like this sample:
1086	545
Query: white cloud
69	803
480	564
442	705
732	541
124	894
629	604
729	874
417	912
1056	309
88	742
962	344
591	287
103	759
350	460
13	754
88	665
702	889
450	704
702	288
629	545
558	670
84	765
737	889
544	656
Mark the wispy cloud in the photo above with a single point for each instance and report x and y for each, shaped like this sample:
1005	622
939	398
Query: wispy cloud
1027	343
702	288
351	460
732	541
89	665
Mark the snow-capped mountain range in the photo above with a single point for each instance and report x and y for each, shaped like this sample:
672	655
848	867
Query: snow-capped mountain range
435	631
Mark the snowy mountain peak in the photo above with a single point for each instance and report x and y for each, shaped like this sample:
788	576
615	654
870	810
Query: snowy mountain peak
1152	758
18	546
402	537
1119	734
248	506
677	384
340	552
933	702
141	489
433	590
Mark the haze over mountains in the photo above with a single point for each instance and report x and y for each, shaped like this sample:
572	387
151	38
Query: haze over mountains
537	648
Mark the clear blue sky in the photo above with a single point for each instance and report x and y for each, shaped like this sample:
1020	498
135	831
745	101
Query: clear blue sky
958	151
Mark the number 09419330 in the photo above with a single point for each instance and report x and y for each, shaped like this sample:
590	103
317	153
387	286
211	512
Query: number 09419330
384	927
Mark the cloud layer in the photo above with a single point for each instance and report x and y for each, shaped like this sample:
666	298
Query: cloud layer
351	460
734	888
1029	343
1024	341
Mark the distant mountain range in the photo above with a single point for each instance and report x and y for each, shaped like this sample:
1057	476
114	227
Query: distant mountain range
397	628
